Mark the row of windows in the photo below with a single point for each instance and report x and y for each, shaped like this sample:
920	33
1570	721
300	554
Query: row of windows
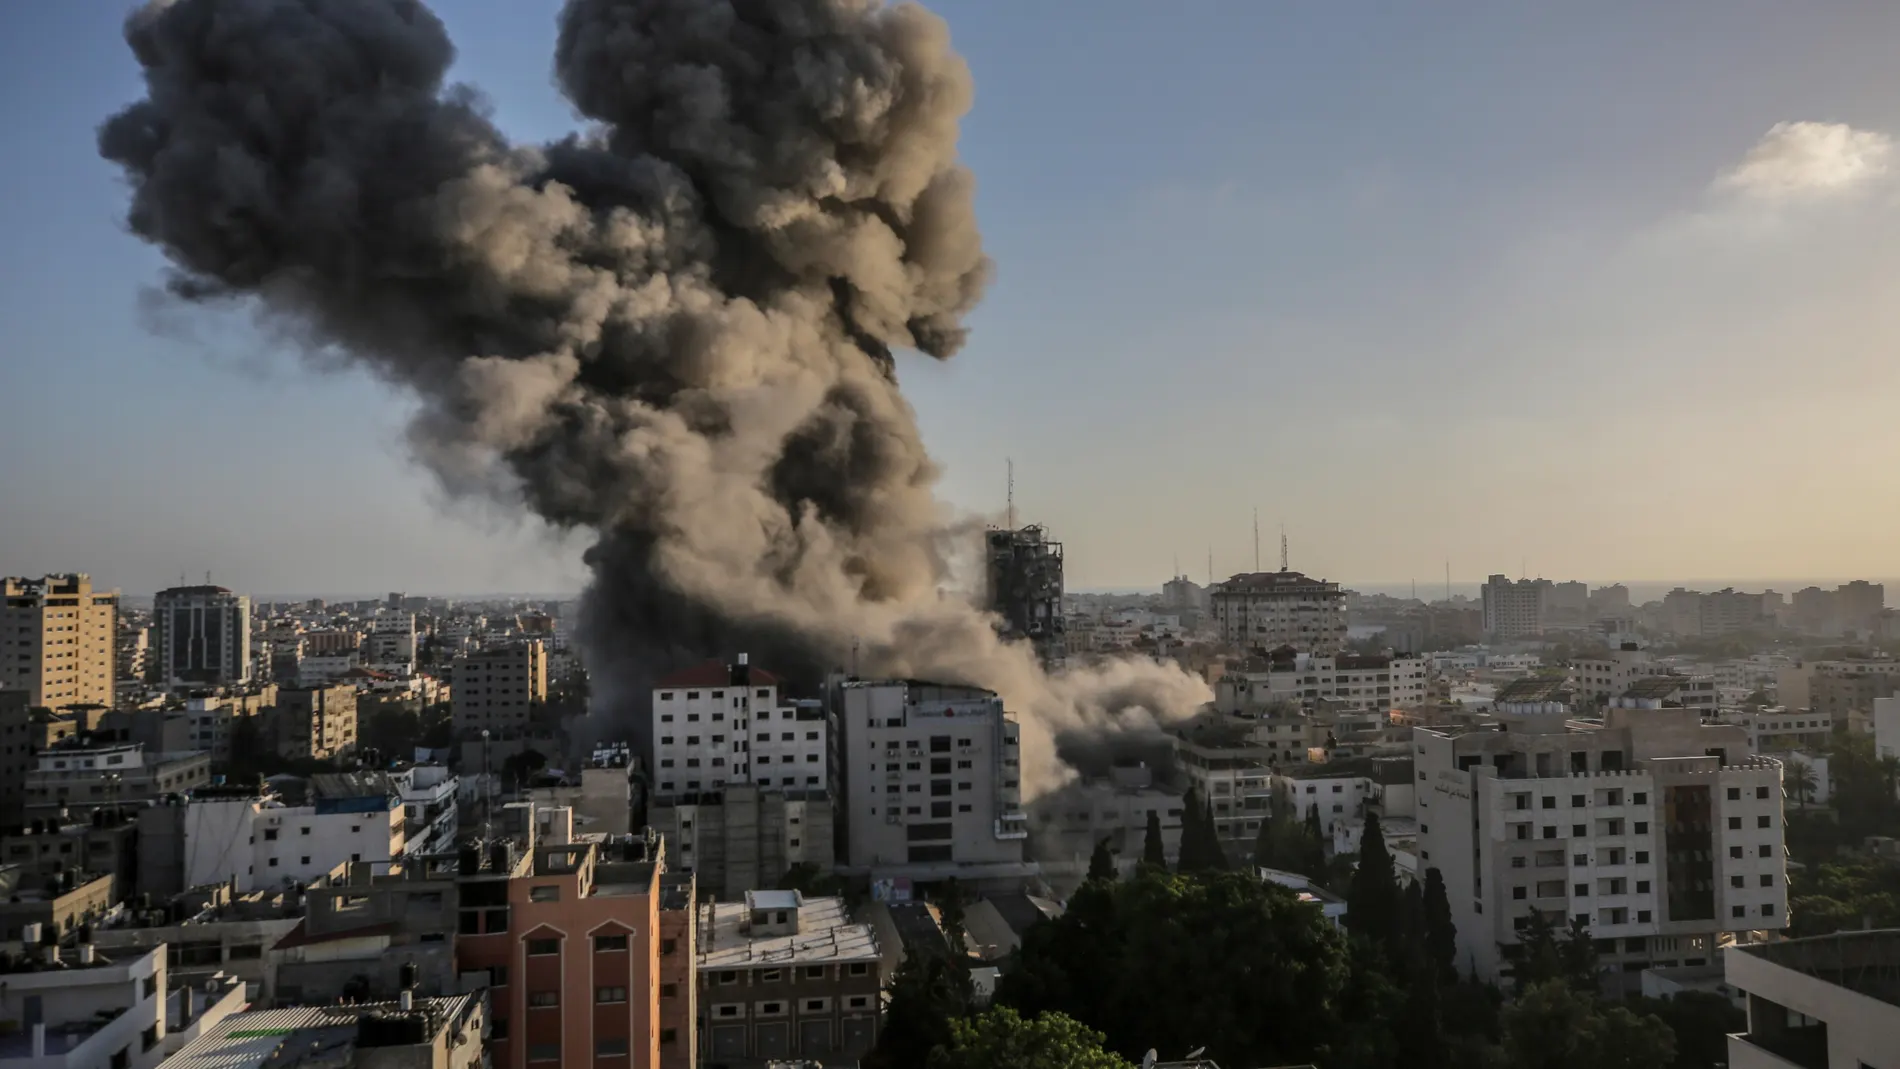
693	695
763	736
603	944
669	786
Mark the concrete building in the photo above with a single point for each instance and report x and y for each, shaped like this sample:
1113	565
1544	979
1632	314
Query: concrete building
391	638
1661	834
716	725
250	838
1024	589
1693	614
1066	824
57	904
367	931
314	722
58	640
411	1033
1774	729
24	732
783	977
107	845
1234	773
1514	610
87	1009
571	948
429	812
500	688
1339	789
1268	610
1887	727
1597	680
1858	604
77	777
929	781
206	931
211	718
741	837
204	635
1846	695
1370	683
1825	1002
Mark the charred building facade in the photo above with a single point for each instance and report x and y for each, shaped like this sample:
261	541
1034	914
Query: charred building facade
1025	588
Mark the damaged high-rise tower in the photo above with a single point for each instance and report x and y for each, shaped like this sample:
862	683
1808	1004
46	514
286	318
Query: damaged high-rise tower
1025	588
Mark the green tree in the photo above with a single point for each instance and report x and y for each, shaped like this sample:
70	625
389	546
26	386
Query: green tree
1701	1022
1554	1026
1195	854
1801	781
928	994
1219	959
1216	854
951	910
1441	936
1372	901
1578	955
1102	862
1315	867
1153	852
1002	1039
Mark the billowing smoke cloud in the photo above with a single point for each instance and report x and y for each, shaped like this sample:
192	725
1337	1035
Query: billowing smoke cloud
674	330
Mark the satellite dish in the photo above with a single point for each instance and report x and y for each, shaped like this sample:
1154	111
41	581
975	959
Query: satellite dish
1148	1059
1196	1052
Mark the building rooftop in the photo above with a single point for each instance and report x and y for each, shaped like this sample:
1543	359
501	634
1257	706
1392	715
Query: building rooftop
1534	689
1275	582
1864	962
1654	687
718	673
318	1035
825	934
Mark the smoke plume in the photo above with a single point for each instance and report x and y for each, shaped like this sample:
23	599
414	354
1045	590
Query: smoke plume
674	330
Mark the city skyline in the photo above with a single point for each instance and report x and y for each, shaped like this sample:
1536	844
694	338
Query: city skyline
1405	338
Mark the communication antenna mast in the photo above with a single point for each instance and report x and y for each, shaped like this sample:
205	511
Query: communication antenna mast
1010	512
1256	540
1283	561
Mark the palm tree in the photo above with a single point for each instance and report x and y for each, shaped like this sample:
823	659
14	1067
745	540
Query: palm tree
1801	781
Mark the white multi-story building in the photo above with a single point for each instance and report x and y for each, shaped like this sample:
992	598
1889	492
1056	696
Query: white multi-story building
1361	683
315	670
105	1008
1659	833
1339	795
1268	610
1777	730
204	635
930	781
428	808
1599	679
392	637
1514	609
256	840
717	725
1824	1002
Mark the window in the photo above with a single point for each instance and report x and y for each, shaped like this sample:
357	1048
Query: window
544	998
1582	889
1576	801
545	893
770	976
814	972
1768	909
1642	827
1735	851
610	994
606	943
544	1052
544	946
669	1035
1765	851
1764	821
858	968
270	834
1642	887
1518	893
1761	792
667	946
1642	857
1642	916
1517	862
1734	794
1640	798
1579	830
771	1009
614	1047
1735	823
669	990
1737	911
1767	880
1550	802
1550	831
1736	881
304	860
1580	860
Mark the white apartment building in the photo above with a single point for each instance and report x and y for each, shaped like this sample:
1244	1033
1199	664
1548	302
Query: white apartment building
428	808
1824	1002
1777	730
499	688
392	637
204	635
1361	683
1663	835
1514	609
1234	773
104	1008
58	640
716	725
318	669
1340	795
1268	610
930	781
79	778
1599	679
256	840
1887	727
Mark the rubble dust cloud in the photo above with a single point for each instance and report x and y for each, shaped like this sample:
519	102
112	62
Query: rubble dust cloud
674	329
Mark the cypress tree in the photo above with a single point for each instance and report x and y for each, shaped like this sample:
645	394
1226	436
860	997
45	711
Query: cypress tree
1441	936
1372	900
1102	863
1216	854
1153	853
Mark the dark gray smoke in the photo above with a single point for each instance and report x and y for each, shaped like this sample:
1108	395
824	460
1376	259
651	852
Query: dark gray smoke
675	330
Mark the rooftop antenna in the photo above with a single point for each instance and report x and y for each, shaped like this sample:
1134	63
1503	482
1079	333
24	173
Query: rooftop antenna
1283	562
1010	511
1256	540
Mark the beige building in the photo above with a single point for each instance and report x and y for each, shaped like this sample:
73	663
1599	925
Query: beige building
317	722
782	976
58	640
499	688
78	779
1267	610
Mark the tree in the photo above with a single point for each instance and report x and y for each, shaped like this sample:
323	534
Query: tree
1216	854
928	994
1553	1026
1577	955
1153	852
1372	901
1441	936
1001	1039
952	911
1195	853
1701	1022
1102	862
1801	781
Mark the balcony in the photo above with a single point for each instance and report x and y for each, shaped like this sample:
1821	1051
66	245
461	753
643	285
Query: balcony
1804	1048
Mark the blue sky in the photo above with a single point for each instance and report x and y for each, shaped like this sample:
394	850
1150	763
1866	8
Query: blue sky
1488	282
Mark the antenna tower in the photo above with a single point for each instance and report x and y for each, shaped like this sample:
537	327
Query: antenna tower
1010	512
1256	540
1283	561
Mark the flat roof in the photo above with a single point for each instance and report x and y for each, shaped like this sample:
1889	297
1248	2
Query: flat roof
289	1035
825	934
773	899
1864	962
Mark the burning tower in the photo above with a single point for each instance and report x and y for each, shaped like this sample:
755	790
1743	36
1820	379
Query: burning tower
1025	588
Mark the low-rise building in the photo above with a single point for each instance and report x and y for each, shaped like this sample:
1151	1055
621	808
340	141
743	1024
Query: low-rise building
784	977
77	777
429	820
1358	682
107	844
79	1007
1067	824
1776	729
1824	1002
206	931
248	836
410	1033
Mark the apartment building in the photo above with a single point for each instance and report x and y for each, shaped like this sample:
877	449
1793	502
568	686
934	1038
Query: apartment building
58	640
929	781
24	732
79	777
1596	680
1514	610
1233	772
1067	824
499	689
569	942
252	839
204	635
1824	1002
1268	610
408	1033
1780	730
211	718
78	1006
1692	613
1661	834
315	722
783	977
716	725
1355	682
742	837
392	638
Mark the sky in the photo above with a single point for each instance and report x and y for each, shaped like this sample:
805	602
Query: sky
1601	291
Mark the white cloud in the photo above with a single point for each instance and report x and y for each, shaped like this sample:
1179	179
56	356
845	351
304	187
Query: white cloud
1805	159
